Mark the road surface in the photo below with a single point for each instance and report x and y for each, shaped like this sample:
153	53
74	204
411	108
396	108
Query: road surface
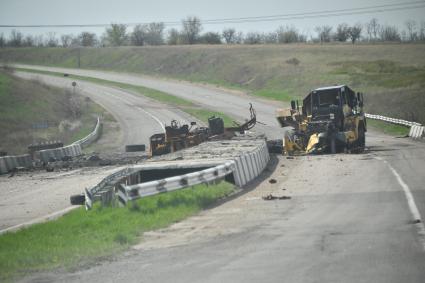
351	218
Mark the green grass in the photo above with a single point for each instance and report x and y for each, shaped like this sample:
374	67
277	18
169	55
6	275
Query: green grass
382	73
81	236
388	128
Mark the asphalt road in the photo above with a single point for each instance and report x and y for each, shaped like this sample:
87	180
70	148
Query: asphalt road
350	219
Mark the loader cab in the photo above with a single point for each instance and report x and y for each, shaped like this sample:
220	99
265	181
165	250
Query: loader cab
327	102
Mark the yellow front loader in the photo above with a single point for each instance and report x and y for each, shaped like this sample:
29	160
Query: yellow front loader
331	119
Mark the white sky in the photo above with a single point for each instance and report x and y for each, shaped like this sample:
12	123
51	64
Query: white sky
21	12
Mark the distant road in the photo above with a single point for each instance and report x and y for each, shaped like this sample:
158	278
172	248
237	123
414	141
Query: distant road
235	105
349	219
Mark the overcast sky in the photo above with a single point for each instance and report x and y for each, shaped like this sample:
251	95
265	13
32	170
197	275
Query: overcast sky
30	12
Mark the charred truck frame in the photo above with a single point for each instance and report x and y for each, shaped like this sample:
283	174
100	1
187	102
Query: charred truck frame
177	137
331	119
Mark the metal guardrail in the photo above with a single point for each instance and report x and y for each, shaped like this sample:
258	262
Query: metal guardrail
105	185
132	192
92	136
416	129
245	167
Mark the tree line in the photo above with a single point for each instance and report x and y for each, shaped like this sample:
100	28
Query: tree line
191	33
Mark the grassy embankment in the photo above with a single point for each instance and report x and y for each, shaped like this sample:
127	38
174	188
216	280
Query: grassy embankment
82	237
185	105
388	128
24	103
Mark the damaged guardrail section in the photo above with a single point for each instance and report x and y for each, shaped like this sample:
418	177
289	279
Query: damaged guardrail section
132	192
416	130
10	163
72	150
93	136
126	183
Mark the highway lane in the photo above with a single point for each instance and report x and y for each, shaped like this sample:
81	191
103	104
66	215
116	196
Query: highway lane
348	221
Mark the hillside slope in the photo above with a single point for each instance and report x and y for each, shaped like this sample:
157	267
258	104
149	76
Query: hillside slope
391	75
34	112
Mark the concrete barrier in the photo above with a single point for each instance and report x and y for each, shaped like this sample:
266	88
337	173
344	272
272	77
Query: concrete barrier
416	131
59	153
3	167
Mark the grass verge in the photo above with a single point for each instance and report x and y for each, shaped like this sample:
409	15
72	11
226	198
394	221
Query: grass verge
81	237
185	105
388	128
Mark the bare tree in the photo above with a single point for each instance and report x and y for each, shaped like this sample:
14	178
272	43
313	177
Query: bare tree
2	40
229	35
51	40
411	26
39	40
389	33
15	38
28	41
324	33
87	39
173	37
373	28
342	32
270	37
239	37
422	31
138	36
116	35
355	32
210	38
287	34
191	28
155	33
66	40
253	38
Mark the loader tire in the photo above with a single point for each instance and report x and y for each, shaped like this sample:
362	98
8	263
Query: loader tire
361	142
78	199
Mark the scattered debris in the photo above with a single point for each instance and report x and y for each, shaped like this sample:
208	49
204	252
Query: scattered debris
289	157
272	197
93	157
50	168
272	181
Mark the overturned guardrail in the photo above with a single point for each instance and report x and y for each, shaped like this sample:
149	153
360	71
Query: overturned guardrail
416	130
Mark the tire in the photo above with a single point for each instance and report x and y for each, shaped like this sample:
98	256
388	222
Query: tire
361	140
78	199
135	147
